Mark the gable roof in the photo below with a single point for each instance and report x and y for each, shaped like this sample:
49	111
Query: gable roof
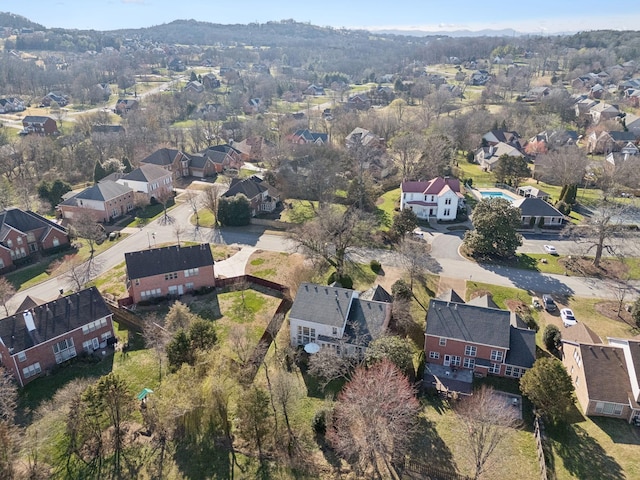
522	347
377	294
606	373
53	319
250	187
146	172
322	304
366	321
218	153
35	119
26	221
435	186
156	261
469	323
310	137
536	207
102	191
483	301
450	296
162	157
580	333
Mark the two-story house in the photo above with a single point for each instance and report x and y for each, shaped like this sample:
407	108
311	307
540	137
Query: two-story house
477	336
175	270
336	318
438	198
34	341
171	160
103	201
262	196
307	137
149	182
39	125
215	159
25	233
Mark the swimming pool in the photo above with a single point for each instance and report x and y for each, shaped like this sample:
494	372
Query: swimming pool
497	195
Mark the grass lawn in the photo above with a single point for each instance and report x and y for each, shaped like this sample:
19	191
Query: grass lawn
386	206
205	217
147	214
499	294
301	211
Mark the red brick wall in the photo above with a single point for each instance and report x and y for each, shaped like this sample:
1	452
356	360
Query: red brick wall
205	278
455	347
6	259
13	236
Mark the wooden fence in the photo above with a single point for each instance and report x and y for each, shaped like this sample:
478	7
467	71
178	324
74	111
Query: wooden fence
411	469
538	433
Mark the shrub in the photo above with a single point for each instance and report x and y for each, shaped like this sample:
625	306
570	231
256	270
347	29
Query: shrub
470	157
345	281
319	422
551	338
375	266
635	312
401	289
531	322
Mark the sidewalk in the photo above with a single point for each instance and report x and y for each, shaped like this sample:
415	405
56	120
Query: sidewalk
234	265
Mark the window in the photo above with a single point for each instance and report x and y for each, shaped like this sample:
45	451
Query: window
87	346
508	370
171	276
455	360
22	356
609	408
497	355
156	292
137	281
306	335
443	342
31	370
9	243
576	357
192	272
56	242
189	286
470	350
173	290
516	372
577	382
19	240
64	350
469	362
335	330
105	335
447	201
494	368
447	212
91	326
434	355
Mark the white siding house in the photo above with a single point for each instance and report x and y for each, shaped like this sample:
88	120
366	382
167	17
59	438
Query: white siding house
438	198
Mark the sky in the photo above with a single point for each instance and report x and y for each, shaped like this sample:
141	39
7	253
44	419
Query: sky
541	16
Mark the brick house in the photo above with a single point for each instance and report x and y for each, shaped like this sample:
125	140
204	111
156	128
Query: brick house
262	196
438	198
605	376
214	160
148	181
165	271
171	160
24	234
103	201
478	337
307	137
338	318
34	341
39	125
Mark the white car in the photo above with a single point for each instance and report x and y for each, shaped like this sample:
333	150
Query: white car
568	318
550	249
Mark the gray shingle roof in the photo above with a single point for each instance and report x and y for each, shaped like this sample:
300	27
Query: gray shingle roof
147	263
606	373
367	320
26	221
522	347
163	156
103	191
249	187
53	319
469	323
322	304
536	207
146	173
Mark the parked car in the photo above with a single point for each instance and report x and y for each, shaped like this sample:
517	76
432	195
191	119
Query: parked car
568	318
535	303
550	249
548	303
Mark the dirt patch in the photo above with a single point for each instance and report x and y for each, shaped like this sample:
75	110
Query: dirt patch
517	306
610	310
275	266
608	268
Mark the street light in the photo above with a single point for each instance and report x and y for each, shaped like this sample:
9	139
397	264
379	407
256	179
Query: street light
153	234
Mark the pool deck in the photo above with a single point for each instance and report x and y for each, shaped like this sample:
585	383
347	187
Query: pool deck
477	192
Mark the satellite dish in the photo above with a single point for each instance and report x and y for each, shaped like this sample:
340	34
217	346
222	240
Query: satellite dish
312	348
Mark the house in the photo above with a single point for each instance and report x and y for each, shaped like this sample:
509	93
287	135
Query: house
475	336
479	77
603	111
314	90
252	149
530	191
632	124
11	104
170	159
194	86
584	105
124	105
487	157
149	182
336	318
39	125
536	93
307	137
359	101
609	141
103	202
262	196
213	160
439	198
168	271
24	234
362	136
54	97
210	81
176	65
495	137
105	129
253	105
550	139
605	376
35	341
535	211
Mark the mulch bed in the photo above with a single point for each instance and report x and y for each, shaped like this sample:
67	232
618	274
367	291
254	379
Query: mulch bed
610	310
583	266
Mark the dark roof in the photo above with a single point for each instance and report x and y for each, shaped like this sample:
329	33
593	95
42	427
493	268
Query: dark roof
619	136
147	263
522	347
146	173
322	304
163	156
28	303
483	301
35	119
103	191
218	153
469	323
26	221
367	320
249	187
53	319
310	136
450	296
606	373
377	294
536	207
198	160
107	129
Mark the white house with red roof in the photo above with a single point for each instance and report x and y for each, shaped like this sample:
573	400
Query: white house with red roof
438	198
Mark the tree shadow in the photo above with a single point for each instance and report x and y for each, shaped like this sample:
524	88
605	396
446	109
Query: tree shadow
582	456
618	430
427	444
532	281
203	458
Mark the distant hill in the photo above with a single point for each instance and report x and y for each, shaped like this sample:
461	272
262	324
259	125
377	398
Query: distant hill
12	20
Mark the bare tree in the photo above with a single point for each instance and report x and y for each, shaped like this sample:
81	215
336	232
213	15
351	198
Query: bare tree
210	201
327	365
437	157
178	230
562	166
8	430
78	271
407	148
7	291
193	199
156	339
486	418
85	227
164	196
375	418
416	259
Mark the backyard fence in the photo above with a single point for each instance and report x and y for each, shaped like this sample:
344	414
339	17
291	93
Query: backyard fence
410	469
538	433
